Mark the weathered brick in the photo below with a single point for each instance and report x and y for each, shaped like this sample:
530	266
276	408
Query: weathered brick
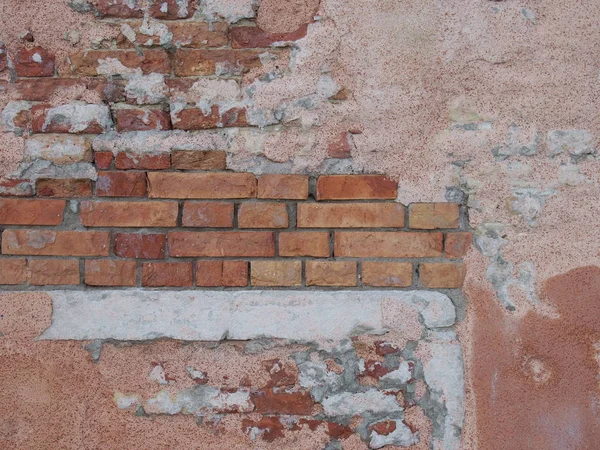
442	275
222	273
254	37
388	244
164	274
194	118
430	216
397	274
146	161
339	146
123	9
172	9
292	403
55	243
3	57
384	427
263	215
46	89
63	187
356	187
33	62
103	160
128	214
207	214
331	273
221	243
276	273
61	149
199	34
308	243
457	244
54	271
202	185
15	188
105	272
25	211
13	271
121	184
77	118
220	62
142	246
142	120
289	187
350	215
198	160
88	63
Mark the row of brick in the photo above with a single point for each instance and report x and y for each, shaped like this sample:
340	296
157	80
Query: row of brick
288	273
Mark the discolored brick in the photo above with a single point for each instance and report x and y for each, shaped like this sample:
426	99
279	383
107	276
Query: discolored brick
142	120
331	273
33	62
263	215
128	214
457	244
207	214
198	160
54	271
121	184
430	216
55	243
307	243
167	274
25	211
276	273
13	271
292	187
388	244
63	187
222	273
142	246
292	403
398	274
442	275
105	272
194	118
221	243
146	161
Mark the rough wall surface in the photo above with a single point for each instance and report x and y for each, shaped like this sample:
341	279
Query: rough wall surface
489	104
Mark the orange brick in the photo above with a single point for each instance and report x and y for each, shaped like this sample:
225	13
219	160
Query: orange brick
198	160
207	214
164	274
222	273
221	243
128	214
121	184
55	243
13	271
350	215
306	243
105	272
457	244
430	216
202	185
86	63
103	160
292	187
205	62
254	37
63	188
276	273
356	187
388	244
442	275
127	161
54	271
24	211
331	273
263	215
387	273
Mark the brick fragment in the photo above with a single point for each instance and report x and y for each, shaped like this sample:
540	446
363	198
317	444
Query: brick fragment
199	34
24	211
89	63
164	274
276	273
15	188
291	187
309	243
195	119
103	160
146	161
222	273
54	271
456	245
207	214
430	216
442	275
202	185
63	187
292	403
387	244
123	9
263	215
339	147
105	272
33	62
350	215
61	149
77	118
356	187
142	120
128	214
331	273
254	37
215	62
55	243
221	244
140	246
45	89
13	271
172	9
198	160
121	184
384	427
383	274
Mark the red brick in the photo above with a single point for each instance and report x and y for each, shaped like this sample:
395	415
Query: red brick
207	214
205	62
430	216
194	119
128	214
164	274
150	61
276	273
456	245
105	272
54	271
198	160
350	215
263	215
22	211
199	34
339	147
292	187
15	188
146	161
384	428
254	37
397	274
45	89
171	9
271	427
442	275
142	246
121	184
356	187
308	243
142	120
120	8
387	244
55	243
13	271
103	160
33	62
221	243
64	187
222	273
331	273
202	185
67	119
292	403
